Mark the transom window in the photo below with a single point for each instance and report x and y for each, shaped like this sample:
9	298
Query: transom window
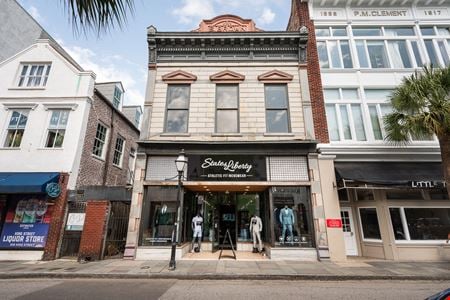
34	75
277	108
100	141
177	113
227	108
16	128
118	151
57	128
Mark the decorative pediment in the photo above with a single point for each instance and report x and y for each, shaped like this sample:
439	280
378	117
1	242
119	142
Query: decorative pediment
275	76
227	23
179	76
227	76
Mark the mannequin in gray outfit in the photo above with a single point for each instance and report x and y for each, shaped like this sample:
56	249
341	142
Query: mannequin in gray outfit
287	221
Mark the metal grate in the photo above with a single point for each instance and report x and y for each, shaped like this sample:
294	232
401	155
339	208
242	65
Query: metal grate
287	168
117	229
161	168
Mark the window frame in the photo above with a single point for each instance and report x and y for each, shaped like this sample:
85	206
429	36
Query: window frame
363	238
16	128
105	142
121	152
404	222
237	109
117	97
266	109
47	66
167	109
57	128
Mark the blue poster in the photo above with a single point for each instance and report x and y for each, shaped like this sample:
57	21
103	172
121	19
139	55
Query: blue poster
23	235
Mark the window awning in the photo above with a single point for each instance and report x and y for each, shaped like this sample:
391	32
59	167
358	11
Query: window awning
13	183
389	173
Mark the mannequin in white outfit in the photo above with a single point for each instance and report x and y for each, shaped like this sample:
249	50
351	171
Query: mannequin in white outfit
255	229
197	229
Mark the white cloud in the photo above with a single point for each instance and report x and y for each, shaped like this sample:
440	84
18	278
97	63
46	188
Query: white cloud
107	69
34	12
267	16
192	11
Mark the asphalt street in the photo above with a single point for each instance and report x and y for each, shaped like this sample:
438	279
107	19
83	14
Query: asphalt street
37	289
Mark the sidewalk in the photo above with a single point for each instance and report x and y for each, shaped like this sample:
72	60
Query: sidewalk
358	269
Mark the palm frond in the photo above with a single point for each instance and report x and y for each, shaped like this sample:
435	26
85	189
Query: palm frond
98	15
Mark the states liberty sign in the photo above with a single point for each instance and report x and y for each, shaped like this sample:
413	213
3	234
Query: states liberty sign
227	168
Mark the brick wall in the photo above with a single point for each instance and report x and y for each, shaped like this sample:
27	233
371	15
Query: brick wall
96	171
300	17
55	230
91	243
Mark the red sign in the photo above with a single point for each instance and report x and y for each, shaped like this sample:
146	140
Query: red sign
334	223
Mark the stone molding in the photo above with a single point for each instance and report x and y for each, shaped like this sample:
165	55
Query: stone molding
179	76
275	76
227	76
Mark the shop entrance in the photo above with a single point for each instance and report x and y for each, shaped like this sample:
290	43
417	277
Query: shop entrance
222	212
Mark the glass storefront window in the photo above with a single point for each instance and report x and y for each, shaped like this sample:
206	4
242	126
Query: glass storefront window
428	223
421	224
369	223
292	217
158	216
247	206
26	222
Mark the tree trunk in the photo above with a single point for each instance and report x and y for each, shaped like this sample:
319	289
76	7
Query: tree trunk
444	142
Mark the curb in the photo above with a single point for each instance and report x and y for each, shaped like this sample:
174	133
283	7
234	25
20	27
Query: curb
302	277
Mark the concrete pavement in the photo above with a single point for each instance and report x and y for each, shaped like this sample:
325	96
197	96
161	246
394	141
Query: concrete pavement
357	269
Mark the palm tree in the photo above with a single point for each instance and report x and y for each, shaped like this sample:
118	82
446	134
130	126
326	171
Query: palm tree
421	107
98	15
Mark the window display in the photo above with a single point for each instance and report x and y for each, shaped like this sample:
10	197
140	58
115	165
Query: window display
158	217
292	217
27	222
255	229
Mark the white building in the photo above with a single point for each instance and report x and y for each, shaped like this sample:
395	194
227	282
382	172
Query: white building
393	203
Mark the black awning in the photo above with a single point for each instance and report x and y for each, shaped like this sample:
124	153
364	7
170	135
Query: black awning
389	173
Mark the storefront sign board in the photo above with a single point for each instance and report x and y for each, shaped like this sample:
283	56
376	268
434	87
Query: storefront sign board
23	235
227	168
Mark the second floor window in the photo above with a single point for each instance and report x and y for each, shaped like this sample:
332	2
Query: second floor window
277	108
118	151
100	141
227	108
57	128
16	128
34	75
177	113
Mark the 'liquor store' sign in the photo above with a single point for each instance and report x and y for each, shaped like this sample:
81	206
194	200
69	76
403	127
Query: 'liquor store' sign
227	168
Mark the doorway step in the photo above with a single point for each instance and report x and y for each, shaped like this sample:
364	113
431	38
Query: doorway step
160	253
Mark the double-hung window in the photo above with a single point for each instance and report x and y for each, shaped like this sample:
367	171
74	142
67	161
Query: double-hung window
57	128
378	108
117	97
387	47
16	128
344	114
177	108
333	48
227	108
277	108
118	151
100	141
34	75
437	45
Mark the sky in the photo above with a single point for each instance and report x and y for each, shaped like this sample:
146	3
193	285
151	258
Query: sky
121	54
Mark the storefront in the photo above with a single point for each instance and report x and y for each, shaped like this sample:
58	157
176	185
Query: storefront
227	190
397	211
27	203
